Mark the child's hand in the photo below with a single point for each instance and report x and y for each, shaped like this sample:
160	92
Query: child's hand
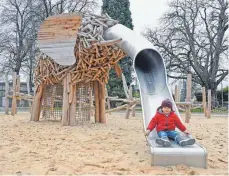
147	132
186	132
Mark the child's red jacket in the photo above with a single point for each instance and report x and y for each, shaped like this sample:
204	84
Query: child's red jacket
163	122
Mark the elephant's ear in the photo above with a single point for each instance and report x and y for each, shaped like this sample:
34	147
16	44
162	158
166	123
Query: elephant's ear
57	37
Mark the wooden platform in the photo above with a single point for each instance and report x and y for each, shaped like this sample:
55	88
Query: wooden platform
57	37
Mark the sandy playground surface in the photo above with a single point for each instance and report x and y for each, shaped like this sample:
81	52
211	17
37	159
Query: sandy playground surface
118	147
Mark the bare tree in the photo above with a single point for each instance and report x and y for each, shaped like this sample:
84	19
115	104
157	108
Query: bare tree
51	7
20	20
192	40
16	22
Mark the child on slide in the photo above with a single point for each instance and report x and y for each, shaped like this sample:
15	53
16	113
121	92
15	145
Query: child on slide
165	122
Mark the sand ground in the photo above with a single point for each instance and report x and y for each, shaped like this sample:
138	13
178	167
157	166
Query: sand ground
118	147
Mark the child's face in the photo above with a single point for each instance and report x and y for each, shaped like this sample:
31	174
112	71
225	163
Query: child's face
166	110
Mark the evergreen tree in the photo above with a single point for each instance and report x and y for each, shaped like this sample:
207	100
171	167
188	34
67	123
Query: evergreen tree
119	10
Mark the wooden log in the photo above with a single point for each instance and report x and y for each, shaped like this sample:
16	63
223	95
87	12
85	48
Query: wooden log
91	102
6	95
183	103
102	116
65	109
108	43
129	105
188	98
125	86
14	100
72	113
104	25
37	103
71	93
68	82
177	94
107	99
132	108
123	100
96	95
118	108
209	104
204	104
53	101
118	70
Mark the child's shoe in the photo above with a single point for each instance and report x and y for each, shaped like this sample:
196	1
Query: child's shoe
164	141
183	141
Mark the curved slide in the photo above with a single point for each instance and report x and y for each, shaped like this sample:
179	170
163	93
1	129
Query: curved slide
151	74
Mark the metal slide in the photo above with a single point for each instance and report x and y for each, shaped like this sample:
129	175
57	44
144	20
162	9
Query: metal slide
152	79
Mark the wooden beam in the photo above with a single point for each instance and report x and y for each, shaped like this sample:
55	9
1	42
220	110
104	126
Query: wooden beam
125	86
28	91
118	108
132	108
118	70
129	104
14	100
66	108
37	103
96	95
204	104
102	116
72	113
188	98
6	95
177	94
107	100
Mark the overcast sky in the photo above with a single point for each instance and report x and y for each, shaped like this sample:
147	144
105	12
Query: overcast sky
145	13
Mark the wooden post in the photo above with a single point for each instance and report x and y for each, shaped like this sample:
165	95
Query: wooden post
91	101
14	99
129	104
209	104
96	95
28	91
188	99
6	95
118	108
37	103
52	101
108	100
177	94
72	101
102	117
204	101
68	92
131	98
125	87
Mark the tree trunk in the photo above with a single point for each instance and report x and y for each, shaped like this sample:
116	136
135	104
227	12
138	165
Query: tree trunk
214	101
18	66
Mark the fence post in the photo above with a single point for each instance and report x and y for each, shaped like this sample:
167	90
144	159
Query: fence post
102	116
108	100
188	98
204	101
6	95
177	94
96	95
128	109
14	98
209	104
